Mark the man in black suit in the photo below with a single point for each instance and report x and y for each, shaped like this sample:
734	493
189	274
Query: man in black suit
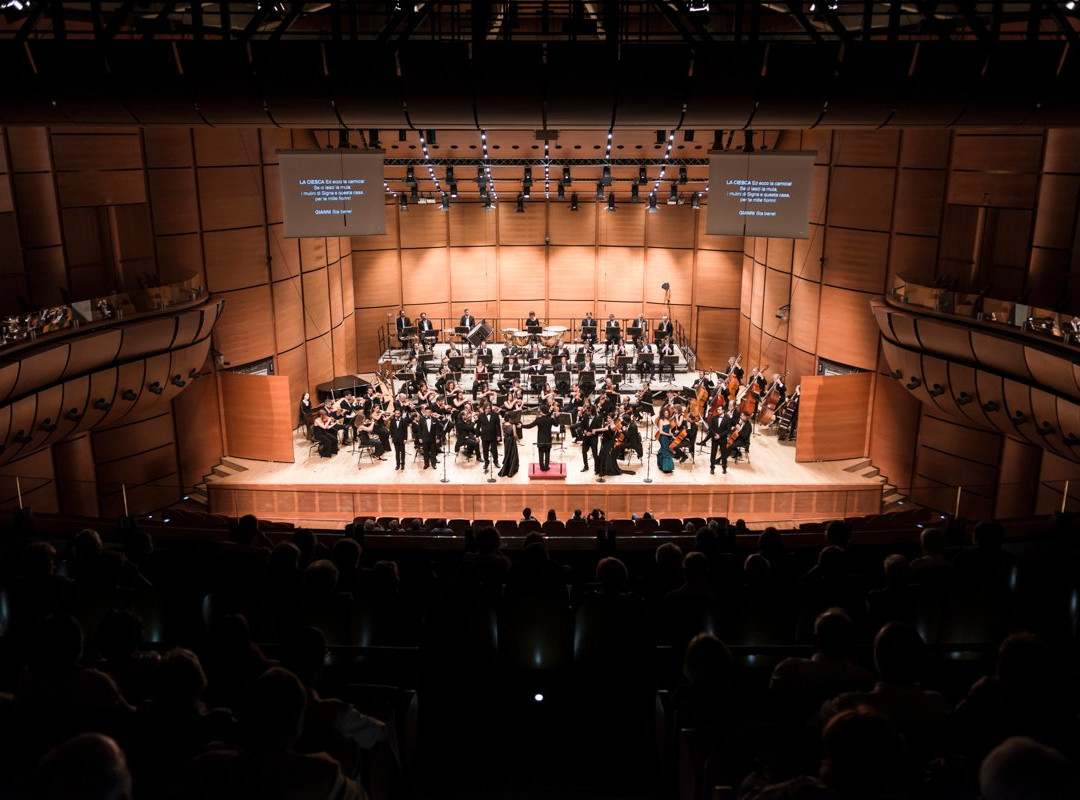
489	426
667	349
664	330
399	435
467	320
588	439
483	351
742	441
588	329
543	424
424	329
719	428
403	322
429	438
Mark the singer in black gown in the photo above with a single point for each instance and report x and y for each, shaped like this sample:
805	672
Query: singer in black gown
510	450
606	463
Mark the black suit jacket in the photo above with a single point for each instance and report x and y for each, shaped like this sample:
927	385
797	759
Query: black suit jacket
403	322
424	325
399	429
720	425
543	425
664	329
429	429
469	320
489	426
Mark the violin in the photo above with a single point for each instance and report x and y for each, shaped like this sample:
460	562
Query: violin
620	433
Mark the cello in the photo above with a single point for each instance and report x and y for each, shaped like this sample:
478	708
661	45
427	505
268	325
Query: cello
728	384
748	403
772	398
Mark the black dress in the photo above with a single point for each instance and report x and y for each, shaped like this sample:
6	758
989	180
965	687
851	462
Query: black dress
606	463
510	451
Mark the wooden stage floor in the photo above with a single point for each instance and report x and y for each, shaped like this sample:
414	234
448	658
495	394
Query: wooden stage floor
327	493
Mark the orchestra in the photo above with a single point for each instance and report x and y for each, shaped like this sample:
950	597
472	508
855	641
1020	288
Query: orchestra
559	387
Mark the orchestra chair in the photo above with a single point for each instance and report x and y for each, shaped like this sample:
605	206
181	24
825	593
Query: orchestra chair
577	527
554	527
623	527
529	526
459	525
741	453
506	527
671	524
361	448
647	526
477	524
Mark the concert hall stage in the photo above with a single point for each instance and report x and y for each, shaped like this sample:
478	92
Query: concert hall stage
770	487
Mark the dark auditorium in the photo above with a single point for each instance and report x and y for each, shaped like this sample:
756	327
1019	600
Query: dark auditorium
356	359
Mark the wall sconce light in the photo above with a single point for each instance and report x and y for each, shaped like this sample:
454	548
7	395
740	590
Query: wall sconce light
73	414
936	389
990	406
101	404
963	399
129	395
1045	428
914	383
896	374
21	437
156	387
1019	418
177	380
47	425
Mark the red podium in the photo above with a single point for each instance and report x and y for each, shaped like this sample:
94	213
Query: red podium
556	472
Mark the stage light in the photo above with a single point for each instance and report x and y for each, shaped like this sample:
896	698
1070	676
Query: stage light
178	381
695	201
450	174
431	136
642	175
129	395
521	204
661	137
410	176
526	190
47	425
373	137
914	383
990	405
156	387
445	202
414	193
599	190
481	177
1070	5
748	141
633	193
652	203
404	200
566	176
343	139
936	390
453	190
402	135
488	205
896	374
605	176
682	175
538	697
73	414
561	190
194	373
673	195
527	177
573	202
1045	428
611	202
963	399
101	404
1019	418
698	7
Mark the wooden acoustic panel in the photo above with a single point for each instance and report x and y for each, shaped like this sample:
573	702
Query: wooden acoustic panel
376	278
231	197
566	227
866	148
522	273
292	364
807	255
893	430
275	213
288	314
856	259
320	361
803	314
129	438
245	332
425	276
861	198
717	336
198	430
834	416
333	277
848	332
223	147
266	436
316	303
997	152
925	147
312	253
626	227
671	226
235	259
471	225
167	147
107	188
39	215
473	275
172	192
524	229
572	270
674	267
620	276
1000	354
424	226
73	463
718	278
919	197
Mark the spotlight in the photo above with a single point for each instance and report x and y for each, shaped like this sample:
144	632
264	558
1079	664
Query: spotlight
1019	418
963	399
414	193
527	177
896	374
21	437
404	201
573	201
633	192
488	205
990	405
526	190
430	136
101	404
410	176
343	139
748	140
156	387
673	195
682	175
611	202
914	383
599	190
521	204
1072	439
652	203
402	135
73	414
373	138
698	7
566	176
450	173
178	380
605	176
1070	5
193	373
661	137
642	175
665	286
129	395
481	177
936	390
1045	428
695	201
453	191
445	202
47	425
538	697
561	190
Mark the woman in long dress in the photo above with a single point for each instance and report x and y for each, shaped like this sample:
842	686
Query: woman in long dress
510	436
664	462
606	463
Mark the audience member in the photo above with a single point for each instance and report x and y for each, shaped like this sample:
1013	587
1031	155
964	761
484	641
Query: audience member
1022	768
931	569
89	766
898	600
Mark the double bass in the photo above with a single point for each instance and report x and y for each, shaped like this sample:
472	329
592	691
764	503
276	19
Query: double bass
727	384
772	399
748	403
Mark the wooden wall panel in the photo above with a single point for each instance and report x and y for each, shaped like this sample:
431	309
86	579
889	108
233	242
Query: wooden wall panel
292	364
266	436
29	148
718	278
316	303
674	267
568	228
911	256
73	463
424	226
834	415
107	188
38	213
992	189
521	273
337	338
572	271
320	361
272	178
312	253
245	332
382	241
177	256
919	197
799	365
757	284
619	273
235	259
950	435
284	253
424	276
717	336
473	275
995	151
172	196
866	148
806	259
223	147
471	225
925	148
671	226
847	333
37	478
198	430
333	277
230	197
288	314
1000	354
526	229
376	278
861	198
130	438
803	316
856	259
167	147
626	227
777	293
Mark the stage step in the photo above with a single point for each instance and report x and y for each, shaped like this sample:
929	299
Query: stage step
859	465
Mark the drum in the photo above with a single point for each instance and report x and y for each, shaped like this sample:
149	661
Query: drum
521	338
479	334
550	337
508	335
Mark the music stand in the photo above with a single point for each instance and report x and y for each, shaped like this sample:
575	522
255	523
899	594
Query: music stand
588	332
587	379
485	359
624	362
537	383
462	332
456	363
562	376
633	332
535	329
645	360
669	361
406	334
430	337
612	334
511	376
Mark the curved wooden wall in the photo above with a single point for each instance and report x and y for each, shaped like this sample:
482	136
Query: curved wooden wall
496	263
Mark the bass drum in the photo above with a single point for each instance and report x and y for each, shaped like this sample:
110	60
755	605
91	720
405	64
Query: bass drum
479	334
